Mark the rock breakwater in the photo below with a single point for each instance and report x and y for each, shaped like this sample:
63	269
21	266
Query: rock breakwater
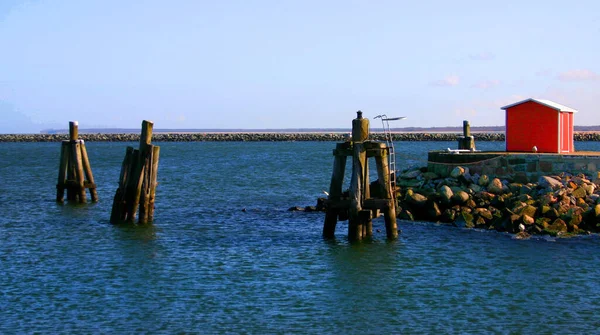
558	205
264	137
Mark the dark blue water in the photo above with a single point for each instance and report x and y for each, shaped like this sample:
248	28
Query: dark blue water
206	266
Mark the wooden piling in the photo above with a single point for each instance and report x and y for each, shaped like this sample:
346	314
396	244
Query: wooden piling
362	205
91	184
389	211
360	128
119	205
356	223
62	171
466	142
335	188
153	182
73	130
466	128
79	176
75	171
137	181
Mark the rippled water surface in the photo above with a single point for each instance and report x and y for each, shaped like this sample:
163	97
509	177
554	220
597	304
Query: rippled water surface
206	266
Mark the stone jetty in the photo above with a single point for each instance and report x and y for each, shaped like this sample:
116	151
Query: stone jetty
265	137
558	205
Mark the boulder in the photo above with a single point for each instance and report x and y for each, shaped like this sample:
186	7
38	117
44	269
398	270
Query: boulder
522	235
481	222
556	228
460	197
458	171
410	183
406	215
550	212
448	215
529	211
487	196
589	188
484	180
310	209
446	194
575	222
524	198
549	183
430	176
484	212
411	174
470	203
542	223
525	189
547	199
579	192
464	219
515	187
496	186
416	199
528	220
475	188
432	210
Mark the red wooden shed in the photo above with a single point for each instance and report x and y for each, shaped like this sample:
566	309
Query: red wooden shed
543	124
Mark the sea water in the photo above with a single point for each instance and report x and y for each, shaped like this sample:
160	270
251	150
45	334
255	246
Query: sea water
225	256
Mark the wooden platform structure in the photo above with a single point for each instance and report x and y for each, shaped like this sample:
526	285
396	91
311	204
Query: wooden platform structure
138	181
75	172
362	203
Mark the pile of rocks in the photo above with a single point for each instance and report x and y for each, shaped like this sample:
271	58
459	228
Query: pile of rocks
265	137
557	205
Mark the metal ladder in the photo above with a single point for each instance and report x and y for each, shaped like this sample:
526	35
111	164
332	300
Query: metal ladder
385	121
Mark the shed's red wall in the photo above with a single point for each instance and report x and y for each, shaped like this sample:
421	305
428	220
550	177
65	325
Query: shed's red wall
531	124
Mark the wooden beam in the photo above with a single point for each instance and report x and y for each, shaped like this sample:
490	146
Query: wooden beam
153	182
335	192
62	171
88	173
389	213
79	175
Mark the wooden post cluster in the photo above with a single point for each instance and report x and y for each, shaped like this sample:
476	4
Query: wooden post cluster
362	203
467	141
137	182
75	172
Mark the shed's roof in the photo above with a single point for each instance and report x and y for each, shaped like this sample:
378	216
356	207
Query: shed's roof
547	103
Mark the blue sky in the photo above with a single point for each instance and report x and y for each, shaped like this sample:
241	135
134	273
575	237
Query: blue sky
290	64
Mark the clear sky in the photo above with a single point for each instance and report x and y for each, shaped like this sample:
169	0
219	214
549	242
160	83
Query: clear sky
289	64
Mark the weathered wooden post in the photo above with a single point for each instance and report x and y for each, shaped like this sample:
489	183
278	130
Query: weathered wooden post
75	172
335	188
137	181
467	141
358	218
385	185
361	204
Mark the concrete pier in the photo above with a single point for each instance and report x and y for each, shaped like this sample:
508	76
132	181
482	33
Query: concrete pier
518	166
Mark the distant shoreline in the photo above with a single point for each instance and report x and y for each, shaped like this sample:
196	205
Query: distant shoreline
375	128
265	137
